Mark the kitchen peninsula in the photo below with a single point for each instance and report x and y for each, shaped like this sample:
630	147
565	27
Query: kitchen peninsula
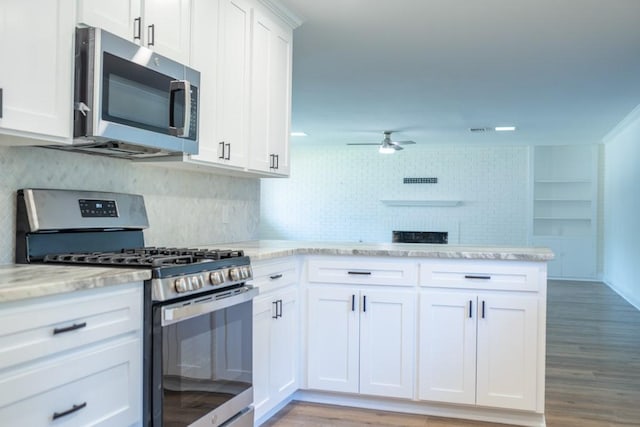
445	330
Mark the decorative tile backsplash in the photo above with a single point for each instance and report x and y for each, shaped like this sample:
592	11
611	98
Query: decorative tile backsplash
336	194
185	208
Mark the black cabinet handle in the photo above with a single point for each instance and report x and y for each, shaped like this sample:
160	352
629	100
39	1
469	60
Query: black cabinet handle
279	312
364	303
228	152
477	277
0	103
73	327
359	273
151	35
75	408
277	159
275	303
137	24
276	276
353	302
483	309
470	309
221	144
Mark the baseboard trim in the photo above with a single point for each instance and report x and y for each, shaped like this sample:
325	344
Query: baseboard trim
627	298
511	417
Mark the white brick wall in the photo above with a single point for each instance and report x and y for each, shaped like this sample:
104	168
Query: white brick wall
335	194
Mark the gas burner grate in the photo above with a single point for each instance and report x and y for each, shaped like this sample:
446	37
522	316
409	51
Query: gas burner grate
145	257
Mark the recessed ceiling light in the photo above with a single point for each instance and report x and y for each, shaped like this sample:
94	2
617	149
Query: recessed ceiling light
504	128
298	134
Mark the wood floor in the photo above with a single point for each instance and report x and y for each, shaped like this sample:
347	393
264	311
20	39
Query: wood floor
593	369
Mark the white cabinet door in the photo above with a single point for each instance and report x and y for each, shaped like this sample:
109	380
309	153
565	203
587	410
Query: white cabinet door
166	27
204	51
447	352
115	16
387	337
270	95
234	48
333	346
275	349
162	25
284	341
507	351
36	78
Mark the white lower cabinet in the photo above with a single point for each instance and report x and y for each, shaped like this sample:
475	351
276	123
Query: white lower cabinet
275	336
361	340
73	359
479	348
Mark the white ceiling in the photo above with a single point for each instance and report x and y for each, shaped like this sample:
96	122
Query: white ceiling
562	71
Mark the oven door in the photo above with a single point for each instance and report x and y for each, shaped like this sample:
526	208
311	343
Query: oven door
202	360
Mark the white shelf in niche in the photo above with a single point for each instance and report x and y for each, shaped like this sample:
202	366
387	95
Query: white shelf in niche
422	203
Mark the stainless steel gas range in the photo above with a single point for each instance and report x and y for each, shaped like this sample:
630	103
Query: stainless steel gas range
198	306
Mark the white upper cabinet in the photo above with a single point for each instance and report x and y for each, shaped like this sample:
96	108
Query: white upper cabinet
36	78
162	25
234	49
243	52
270	95
121	17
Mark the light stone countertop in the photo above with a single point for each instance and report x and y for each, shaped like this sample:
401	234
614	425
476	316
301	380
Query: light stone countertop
23	281
267	249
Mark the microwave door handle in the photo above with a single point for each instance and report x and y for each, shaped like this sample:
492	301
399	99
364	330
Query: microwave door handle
174	87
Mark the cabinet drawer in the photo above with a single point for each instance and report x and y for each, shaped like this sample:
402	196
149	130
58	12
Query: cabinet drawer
269	275
479	275
105	383
363	272
43	327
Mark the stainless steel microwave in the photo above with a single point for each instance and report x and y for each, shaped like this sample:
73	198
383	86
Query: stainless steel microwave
131	102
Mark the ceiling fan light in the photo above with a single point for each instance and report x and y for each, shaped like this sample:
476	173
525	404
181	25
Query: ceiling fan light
386	149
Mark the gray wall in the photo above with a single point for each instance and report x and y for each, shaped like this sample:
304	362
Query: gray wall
621	208
185	208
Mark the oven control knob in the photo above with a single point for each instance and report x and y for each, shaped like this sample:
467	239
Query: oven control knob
198	282
234	273
216	278
181	285
248	274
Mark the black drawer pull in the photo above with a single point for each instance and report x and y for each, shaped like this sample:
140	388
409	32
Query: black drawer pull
75	408
470	309
360	273
73	327
276	276
477	277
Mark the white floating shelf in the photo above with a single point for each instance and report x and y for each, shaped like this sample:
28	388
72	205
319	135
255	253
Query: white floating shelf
423	203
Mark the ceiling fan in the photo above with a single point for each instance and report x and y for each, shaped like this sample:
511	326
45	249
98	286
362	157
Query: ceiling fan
387	146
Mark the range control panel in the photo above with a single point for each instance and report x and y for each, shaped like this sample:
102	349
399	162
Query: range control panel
90	208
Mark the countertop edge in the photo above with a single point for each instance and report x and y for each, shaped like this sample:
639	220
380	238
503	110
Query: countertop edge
262	250
22	282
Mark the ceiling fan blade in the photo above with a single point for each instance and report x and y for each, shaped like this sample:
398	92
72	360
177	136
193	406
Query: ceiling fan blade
363	143
403	142
396	147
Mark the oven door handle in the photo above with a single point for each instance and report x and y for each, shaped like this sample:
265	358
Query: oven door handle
178	312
